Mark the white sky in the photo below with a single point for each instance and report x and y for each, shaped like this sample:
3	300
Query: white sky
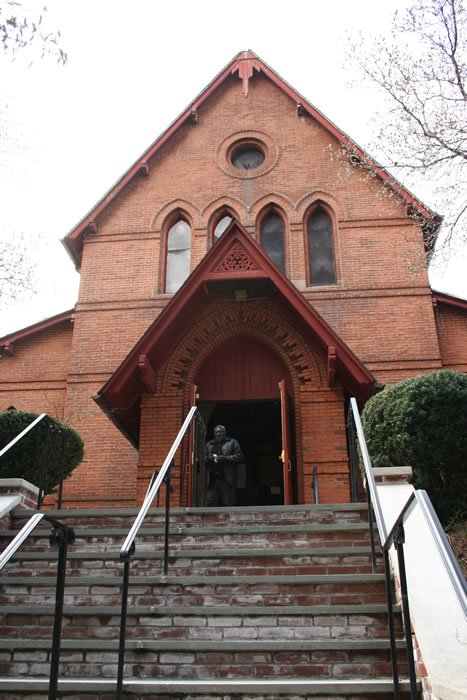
68	133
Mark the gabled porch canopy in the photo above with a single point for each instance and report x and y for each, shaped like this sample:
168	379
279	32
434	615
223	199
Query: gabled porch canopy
235	262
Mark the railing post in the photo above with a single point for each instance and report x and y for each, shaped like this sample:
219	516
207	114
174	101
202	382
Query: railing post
193	481
353	456
203	482
44	463
371	530
167	518
399	540
63	536
392	634
315	484
62	469
123	616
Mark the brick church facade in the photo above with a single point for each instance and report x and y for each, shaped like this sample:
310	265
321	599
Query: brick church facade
248	262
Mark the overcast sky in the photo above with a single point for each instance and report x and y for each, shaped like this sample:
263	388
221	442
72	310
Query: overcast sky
67	133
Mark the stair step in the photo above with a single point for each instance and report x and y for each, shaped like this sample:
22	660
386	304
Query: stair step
222	529
212	610
241	513
206	659
242	562
268	603
203	645
209	553
262	688
114	579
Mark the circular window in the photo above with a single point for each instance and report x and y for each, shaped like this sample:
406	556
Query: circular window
247	157
247	154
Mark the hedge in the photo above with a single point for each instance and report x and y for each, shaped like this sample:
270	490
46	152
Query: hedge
422	422
24	459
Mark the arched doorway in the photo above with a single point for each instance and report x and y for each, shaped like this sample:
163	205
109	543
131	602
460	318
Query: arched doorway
238	386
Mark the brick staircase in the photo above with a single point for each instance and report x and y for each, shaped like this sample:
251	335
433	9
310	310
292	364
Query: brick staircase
258	603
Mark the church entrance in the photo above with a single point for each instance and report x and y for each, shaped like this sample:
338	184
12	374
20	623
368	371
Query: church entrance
257	427
244	386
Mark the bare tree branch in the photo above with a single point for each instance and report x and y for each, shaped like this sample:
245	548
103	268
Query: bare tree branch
21	28
18	279
422	72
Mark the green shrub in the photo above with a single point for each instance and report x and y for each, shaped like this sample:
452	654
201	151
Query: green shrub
422	422
24	459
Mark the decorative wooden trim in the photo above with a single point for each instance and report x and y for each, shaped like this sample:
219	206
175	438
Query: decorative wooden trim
147	373
245	64
8	349
332	362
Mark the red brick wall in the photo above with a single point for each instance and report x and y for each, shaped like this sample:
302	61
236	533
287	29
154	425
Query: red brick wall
452	332
34	378
380	306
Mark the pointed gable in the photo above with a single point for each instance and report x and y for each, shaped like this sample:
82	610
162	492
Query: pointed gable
235	258
245	65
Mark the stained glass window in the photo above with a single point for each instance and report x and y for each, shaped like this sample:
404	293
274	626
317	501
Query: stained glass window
320	248
272	239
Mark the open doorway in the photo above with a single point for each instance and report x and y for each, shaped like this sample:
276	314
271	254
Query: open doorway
257	427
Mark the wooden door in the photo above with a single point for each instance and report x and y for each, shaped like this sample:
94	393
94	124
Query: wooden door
286	454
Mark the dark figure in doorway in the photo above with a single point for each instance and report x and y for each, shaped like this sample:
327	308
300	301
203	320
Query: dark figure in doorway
222	454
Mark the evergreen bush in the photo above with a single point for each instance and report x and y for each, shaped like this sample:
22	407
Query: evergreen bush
422	422
24	459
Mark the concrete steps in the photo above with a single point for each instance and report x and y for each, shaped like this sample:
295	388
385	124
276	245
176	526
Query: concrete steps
275	596
287	689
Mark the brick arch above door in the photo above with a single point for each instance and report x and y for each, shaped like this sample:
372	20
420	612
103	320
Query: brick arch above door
260	321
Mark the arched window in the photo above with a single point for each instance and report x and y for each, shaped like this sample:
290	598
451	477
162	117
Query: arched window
221	226
272	239
178	255
320	248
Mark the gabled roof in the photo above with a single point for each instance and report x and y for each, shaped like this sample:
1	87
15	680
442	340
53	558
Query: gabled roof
219	271
244	64
449	300
7	342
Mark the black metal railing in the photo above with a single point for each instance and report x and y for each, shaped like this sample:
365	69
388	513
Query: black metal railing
43	421
195	423
61	535
396	538
314	484
375	511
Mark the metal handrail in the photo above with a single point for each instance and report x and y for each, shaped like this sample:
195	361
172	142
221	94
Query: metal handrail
421	499
396	538
378	511
128	547
61	535
374	506
125	551
451	564
22	434
23	534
